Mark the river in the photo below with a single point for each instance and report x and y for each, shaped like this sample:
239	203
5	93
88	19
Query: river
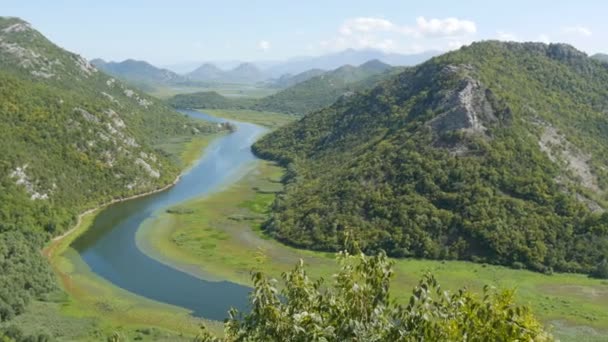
109	246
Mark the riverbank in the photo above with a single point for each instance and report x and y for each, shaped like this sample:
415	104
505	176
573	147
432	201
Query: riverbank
91	307
219	236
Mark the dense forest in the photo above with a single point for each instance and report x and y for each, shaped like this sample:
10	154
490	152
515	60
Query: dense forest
209	100
494	153
309	95
72	138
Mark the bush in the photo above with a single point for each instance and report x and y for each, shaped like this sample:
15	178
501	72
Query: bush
356	307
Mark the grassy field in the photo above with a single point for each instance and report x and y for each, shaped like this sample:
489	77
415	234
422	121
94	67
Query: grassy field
219	237
184	151
268	119
228	90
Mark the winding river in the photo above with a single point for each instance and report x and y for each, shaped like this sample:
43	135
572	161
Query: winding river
109	245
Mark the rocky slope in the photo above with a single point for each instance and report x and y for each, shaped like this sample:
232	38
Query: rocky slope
495	153
72	138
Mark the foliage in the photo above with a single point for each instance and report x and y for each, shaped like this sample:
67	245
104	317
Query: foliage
601	270
356	306
72	138
378	163
14	334
601	57
208	99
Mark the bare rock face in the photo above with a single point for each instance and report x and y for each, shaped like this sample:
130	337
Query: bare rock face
467	108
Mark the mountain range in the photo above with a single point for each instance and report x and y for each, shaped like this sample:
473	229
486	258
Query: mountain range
243	73
139	72
277	74
308	93
494	153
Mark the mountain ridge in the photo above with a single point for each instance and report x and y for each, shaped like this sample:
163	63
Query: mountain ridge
73	138
461	157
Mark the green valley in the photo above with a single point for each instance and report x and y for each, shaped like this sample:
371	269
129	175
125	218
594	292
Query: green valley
323	171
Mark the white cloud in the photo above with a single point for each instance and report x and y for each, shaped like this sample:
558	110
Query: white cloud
444	27
366	24
578	30
421	35
447	27
263	45
506	36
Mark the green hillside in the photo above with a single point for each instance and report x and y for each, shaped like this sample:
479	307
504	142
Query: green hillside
72	138
494	153
288	80
323	90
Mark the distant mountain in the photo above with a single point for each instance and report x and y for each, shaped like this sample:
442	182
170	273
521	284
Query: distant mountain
207	72
303	97
600	57
496	153
306	67
72	138
289	80
323	90
245	73
350	56
139	72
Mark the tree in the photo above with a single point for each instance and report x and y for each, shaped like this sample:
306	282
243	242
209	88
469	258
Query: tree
601	270
357	306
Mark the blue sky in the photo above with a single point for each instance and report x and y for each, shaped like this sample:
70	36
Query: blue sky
166	32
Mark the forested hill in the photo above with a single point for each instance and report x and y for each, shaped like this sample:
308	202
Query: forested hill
497	152
601	57
323	90
72	138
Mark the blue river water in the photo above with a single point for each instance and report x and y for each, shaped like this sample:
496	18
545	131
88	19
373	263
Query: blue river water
109	246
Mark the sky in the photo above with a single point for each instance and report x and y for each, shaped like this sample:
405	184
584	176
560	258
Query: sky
170	32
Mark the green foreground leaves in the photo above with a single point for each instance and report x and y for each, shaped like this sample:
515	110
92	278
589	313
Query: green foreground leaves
356	306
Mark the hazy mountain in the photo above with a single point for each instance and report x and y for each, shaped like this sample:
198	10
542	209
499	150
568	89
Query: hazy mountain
139	72
206	72
601	57
245	73
350	56
288	80
266	70
321	91
494	153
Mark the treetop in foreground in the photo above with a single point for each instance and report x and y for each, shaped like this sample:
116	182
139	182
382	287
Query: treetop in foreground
356	306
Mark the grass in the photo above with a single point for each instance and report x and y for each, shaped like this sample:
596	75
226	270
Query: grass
185	150
220	237
271	120
228	90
